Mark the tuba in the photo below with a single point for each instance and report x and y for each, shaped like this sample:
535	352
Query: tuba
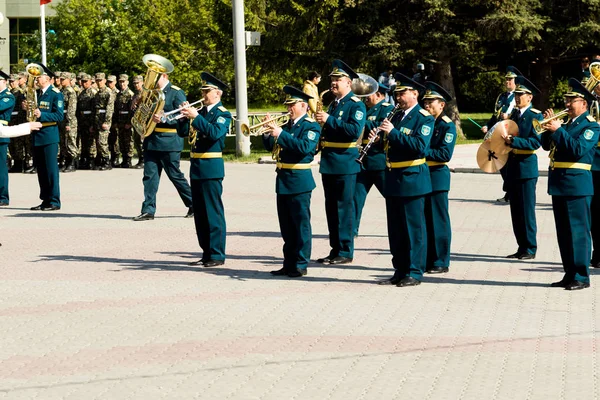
590	85
152	99
33	70
364	85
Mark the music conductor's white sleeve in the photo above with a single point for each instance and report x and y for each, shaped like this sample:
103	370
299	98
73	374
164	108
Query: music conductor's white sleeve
14	131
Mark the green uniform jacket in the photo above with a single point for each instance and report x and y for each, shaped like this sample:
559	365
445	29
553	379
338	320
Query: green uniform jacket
168	141
7	104
345	125
70	107
210	138
51	105
298	143
576	143
123	111
524	166
375	158
441	148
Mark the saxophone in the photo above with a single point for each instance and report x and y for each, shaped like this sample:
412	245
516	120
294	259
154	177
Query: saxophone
33	71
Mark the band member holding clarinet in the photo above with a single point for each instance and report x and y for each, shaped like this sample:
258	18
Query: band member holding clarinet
407	182
571	155
441	147
293	146
371	156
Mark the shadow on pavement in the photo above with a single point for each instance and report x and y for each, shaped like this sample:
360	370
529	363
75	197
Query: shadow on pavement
54	214
495	258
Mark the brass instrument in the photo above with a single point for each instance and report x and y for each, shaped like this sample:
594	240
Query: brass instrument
33	70
537	124
176	115
591	84
364	85
320	101
260	128
152	99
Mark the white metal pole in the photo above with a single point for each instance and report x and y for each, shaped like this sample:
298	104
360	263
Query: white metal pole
43	29
242	143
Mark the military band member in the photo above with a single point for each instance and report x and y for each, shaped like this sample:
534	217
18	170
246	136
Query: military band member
441	147
19	146
45	142
343	124
293	146
521	170
104	104
162	151
505	104
373	171
570	184
138	81
7	104
407	183
595	205
207	170
122	120
68	126
85	123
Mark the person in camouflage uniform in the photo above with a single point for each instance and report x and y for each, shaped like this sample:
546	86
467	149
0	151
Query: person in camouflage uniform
138	81
122	120
68	126
104	104
113	138
19	146
85	122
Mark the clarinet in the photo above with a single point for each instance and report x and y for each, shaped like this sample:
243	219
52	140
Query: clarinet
365	149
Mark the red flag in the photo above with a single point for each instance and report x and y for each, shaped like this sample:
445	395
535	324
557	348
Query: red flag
42	2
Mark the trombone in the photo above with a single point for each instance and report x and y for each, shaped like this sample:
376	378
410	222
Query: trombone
538	125
261	128
176	115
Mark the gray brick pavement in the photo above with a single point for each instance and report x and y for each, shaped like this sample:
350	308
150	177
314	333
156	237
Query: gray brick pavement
95	306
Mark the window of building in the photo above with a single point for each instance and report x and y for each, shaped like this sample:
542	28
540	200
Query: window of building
20	30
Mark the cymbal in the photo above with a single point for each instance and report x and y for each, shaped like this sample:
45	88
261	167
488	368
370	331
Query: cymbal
496	141
488	160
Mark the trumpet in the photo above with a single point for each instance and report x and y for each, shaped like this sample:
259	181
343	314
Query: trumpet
260	128
176	115
538	125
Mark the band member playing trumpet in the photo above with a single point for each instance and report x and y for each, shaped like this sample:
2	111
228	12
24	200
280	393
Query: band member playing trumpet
162	150
570	182
407	182
441	147
207	169
374	161
342	124
293	146
521	170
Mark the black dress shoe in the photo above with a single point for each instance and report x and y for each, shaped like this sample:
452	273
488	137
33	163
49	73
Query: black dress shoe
190	213
526	256
340	260
408	281
563	283
576	285
595	264
297	273
391	281
3	204
213	263
503	199
437	270
50	208
515	255
325	260
144	217
38	208
280	272
198	262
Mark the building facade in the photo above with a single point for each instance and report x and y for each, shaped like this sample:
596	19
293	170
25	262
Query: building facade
21	20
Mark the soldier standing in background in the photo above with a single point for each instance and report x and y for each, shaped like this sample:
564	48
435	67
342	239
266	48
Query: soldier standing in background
113	139
138	80
17	145
68	126
122	120
85	122
104	104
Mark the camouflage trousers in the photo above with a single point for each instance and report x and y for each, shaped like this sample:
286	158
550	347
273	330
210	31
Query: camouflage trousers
68	141
20	148
113	142
101	143
87	141
137	143
125	139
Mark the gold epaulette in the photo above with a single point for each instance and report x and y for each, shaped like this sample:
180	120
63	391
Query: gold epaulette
55	90
424	112
535	111
222	109
355	99
175	87
309	119
590	118
447	119
386	104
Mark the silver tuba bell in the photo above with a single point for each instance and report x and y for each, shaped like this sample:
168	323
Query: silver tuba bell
364	85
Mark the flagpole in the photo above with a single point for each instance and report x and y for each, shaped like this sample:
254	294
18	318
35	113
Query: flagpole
43	21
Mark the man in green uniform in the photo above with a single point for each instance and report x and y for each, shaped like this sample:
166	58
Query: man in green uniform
104	104
441	147
162	151
85	123
407	183
521	173
343	123
373	171
207	133
572	149
7	104
293	146
122	120
68	127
